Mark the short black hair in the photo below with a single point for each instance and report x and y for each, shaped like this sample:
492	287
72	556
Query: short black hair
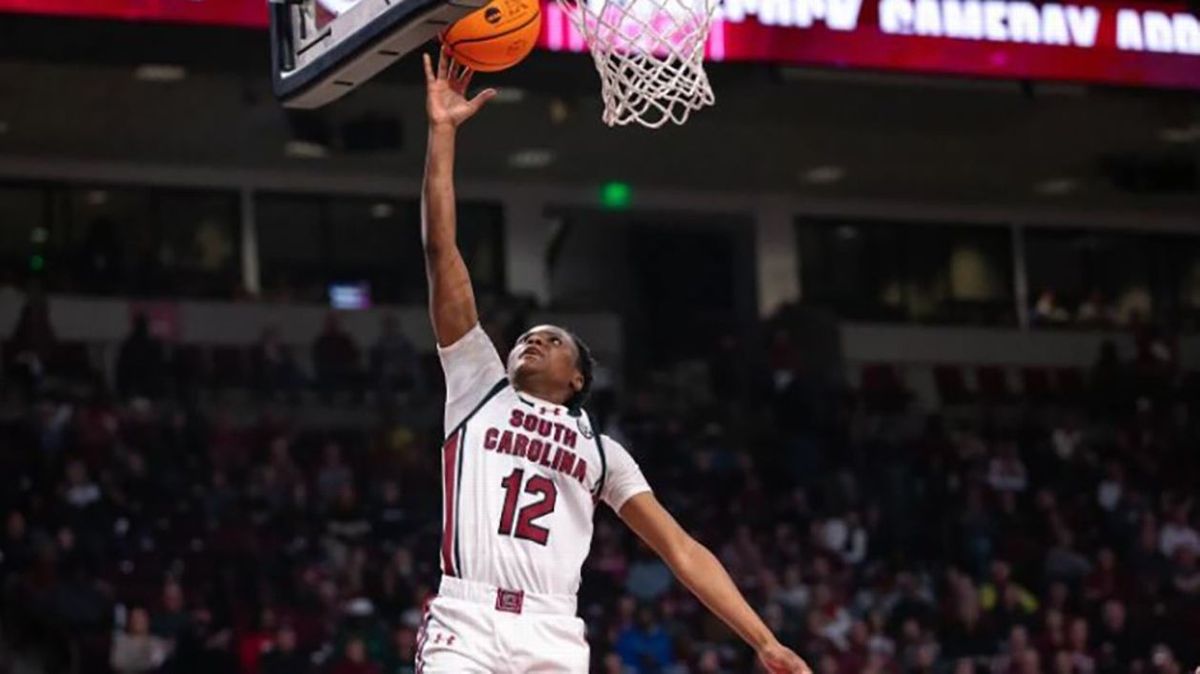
587	366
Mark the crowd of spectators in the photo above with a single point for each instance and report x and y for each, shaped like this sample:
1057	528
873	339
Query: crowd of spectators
147	367
1133	308
144	534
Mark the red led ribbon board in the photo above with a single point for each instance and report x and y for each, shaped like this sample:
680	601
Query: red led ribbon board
245	13
1139	44
1150	44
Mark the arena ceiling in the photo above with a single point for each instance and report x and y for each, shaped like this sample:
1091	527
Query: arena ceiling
67	89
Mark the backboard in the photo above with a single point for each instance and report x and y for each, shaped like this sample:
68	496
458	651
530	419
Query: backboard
323	49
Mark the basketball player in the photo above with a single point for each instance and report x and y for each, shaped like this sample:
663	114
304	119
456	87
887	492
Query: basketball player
523	469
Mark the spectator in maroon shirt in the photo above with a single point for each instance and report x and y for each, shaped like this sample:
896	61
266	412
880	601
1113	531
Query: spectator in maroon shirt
284	656
1053	635
1078	648
253	643
1104	582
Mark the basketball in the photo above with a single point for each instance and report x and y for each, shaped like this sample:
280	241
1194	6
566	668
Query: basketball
495	37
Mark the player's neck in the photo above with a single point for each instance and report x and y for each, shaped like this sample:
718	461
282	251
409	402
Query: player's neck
542	393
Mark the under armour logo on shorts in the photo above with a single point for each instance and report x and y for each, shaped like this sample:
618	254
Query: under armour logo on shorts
439	637
509	601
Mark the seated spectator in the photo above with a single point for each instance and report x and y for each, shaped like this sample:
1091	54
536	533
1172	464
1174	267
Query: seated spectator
612	664
993	593
347	524
333	474
846	537
16	550
253	642
1009	654
1006	471
1105	581
273	368
1095	312
880	644
141	363
31	346
395	365
136	649
1185	576
966	635
976	530
1078	649
648	578
354	660
80	492
1114	641
283	655
1111	488
1177	533
173	620
1047	311
336	360
908	601
1067	438
1148	566
281	461
1107	382
1052	637
1029	662
205	647
644	646
793	594
389	518
829	618
402	652
1065	563
856	654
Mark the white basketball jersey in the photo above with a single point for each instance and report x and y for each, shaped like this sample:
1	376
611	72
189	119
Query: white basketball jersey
520	478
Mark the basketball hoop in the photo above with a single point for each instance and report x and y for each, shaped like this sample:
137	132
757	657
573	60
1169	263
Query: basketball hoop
650	56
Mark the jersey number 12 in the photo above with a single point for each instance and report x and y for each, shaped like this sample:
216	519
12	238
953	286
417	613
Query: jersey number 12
525	527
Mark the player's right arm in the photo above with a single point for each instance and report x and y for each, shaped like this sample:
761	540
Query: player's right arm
451	297
468	357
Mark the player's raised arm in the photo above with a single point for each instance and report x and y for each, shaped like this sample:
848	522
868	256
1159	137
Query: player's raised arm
700	571
451	298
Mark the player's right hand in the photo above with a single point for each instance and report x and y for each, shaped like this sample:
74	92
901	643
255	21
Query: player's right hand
446	92
779	659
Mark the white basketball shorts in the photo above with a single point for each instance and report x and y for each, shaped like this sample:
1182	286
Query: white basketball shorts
472	628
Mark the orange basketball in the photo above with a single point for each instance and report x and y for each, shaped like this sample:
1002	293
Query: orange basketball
495	37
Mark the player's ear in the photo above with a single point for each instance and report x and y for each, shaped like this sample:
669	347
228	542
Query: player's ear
577	382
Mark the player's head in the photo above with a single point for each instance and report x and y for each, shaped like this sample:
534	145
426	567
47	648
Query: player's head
552	362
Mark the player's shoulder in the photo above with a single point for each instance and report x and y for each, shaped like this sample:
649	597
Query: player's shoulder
609	440
612	445
497	389
471	340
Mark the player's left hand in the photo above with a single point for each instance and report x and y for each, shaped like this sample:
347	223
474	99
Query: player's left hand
779	659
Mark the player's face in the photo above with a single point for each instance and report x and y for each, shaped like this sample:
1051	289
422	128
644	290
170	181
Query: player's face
546	351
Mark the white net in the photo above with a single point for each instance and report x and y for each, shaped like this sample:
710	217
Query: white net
650	56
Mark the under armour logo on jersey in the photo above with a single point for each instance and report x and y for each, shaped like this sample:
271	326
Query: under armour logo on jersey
547	410
439	638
